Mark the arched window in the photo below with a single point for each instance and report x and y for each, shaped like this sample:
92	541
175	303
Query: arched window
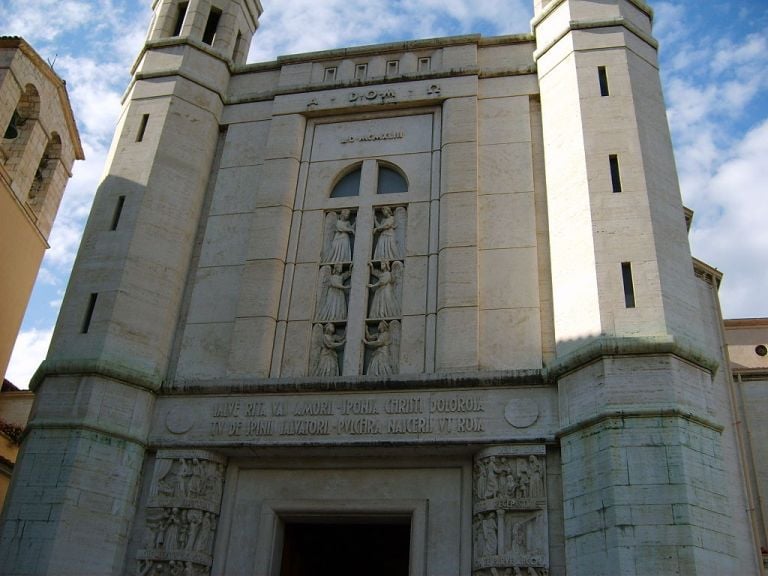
349	185
44	173
18	131
391	181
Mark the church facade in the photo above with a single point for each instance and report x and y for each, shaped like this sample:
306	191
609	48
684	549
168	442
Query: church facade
422	308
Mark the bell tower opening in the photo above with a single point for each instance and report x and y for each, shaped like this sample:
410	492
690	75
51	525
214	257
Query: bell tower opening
346	547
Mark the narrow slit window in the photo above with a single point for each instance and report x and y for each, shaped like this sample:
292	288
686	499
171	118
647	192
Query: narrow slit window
118	212
393	67
181	13
613	159
602	76
142	128
238	48
361	71
629	287
425	64
329	75
89	313
211	26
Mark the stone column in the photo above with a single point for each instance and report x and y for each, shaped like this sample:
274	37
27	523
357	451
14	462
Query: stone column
509	516
182	513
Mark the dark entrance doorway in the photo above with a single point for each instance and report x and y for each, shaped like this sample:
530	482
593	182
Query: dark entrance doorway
346	548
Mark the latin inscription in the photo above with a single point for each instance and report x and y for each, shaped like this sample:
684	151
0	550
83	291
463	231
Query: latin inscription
417	415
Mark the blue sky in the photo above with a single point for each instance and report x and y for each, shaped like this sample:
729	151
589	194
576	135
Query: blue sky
714	60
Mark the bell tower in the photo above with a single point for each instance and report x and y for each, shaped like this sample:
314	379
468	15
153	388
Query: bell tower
109	354
626	308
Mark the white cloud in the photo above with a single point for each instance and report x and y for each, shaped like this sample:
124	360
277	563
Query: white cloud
31	348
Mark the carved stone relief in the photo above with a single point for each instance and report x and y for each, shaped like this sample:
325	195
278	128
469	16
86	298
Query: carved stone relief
389	233
383	348
339	237
327	347
182	514
510	532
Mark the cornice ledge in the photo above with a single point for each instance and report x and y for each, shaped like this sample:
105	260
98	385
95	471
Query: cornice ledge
575	25
102	368
552	6
634	413
606	347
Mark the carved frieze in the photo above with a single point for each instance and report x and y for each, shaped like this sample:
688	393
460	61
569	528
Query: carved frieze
510	532
182	514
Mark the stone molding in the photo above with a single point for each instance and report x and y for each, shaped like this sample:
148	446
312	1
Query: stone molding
639	4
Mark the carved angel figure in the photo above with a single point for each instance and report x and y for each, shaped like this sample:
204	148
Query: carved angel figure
385	345
338	241
332	298
386	245
536	489
386	297
325	358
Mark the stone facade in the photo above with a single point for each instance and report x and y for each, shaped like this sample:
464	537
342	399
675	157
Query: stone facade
442	284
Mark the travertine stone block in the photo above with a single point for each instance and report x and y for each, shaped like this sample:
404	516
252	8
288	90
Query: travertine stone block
418	229
278	183
510	339
457	339
296	350
505	168
412	345
251	349
459	120
286	137
222	244
459	168
310	237
268	233
458	220
504	120
215	295
457	278
260	290
415	285
303	294
245	144
508	278
506	221
205	350
235	190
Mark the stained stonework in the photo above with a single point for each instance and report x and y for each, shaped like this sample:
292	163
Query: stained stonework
509	523
182	514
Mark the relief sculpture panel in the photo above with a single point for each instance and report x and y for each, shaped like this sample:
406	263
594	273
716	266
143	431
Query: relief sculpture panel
182	514
510	532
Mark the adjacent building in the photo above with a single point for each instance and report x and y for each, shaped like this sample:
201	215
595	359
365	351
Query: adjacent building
422	308
39	145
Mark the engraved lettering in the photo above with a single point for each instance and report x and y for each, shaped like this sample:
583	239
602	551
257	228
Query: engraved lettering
314	408
457	404
259	428
253	409
226	410
359	426
410	426
403	406
359	407
278	409
304	428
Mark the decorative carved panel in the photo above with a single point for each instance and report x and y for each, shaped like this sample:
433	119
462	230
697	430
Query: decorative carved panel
510	532
182	514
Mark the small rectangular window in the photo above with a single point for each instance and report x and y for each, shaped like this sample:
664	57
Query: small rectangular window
361	71
629	288
393	67
89	313
181	13
142	128
118	211
211	26
425	64
330	74
615	174
602	76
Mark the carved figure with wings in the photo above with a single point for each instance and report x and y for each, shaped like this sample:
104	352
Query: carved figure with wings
324	356
332	293
385	302
337	244
390	228
385	349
